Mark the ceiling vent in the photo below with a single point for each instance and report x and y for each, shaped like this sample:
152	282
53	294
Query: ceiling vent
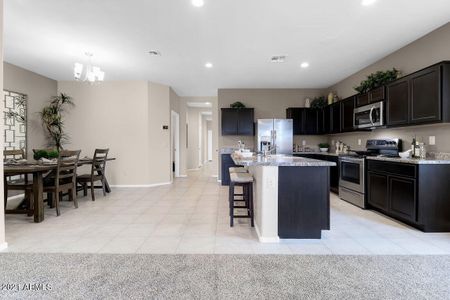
278	58
154	53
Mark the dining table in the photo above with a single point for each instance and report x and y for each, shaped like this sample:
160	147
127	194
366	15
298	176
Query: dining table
38	169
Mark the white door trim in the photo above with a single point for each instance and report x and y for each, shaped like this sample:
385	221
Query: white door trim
175	120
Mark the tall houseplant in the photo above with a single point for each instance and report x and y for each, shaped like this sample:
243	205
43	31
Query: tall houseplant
52	120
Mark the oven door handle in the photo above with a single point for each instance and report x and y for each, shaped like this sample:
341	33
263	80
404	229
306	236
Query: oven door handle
370	115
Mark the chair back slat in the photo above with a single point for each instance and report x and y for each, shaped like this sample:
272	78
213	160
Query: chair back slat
67	167
99	162
14	154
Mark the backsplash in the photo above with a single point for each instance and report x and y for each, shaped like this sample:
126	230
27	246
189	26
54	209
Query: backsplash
441	132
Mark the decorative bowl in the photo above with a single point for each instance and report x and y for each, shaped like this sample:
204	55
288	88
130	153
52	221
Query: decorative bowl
323	149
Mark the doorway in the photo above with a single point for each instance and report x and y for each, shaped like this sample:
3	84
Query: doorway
175	143
210	145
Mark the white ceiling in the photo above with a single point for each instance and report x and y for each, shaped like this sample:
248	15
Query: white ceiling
337	38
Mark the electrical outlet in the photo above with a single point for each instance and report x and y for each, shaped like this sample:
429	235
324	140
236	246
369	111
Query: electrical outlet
303	143
359	142
432	140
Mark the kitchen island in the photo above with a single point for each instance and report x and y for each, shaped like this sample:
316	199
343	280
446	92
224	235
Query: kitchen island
291	196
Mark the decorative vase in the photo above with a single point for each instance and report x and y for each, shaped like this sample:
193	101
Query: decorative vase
307	103
330	98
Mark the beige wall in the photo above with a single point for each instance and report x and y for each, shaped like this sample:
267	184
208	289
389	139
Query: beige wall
39	90
127	118
2	212
268	103
430	49
159	153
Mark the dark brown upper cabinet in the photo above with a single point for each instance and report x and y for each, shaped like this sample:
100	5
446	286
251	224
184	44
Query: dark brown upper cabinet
335	110
420	98
372	96
305	120
238	121
397	108
347	106
425	96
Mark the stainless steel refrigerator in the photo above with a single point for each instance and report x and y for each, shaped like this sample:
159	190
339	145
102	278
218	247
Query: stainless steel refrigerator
275	134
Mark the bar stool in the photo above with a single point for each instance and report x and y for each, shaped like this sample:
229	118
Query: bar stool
245	180
237	170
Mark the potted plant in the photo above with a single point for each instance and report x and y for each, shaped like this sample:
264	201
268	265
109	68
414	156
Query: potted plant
324	147
377	79
43	153
52	120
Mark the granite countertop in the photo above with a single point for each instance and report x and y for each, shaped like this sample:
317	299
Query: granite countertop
317	152
280	161
227	150
417	161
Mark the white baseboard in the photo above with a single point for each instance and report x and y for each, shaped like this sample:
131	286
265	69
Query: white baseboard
140	185
182	176
193	169
3	246
266	239
215	176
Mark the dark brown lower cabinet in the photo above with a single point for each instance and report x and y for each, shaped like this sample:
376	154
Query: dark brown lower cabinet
417	194
334	171
377	190
402	192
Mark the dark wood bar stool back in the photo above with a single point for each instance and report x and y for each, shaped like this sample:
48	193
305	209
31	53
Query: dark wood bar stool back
97	173
64	178
17	183
244	180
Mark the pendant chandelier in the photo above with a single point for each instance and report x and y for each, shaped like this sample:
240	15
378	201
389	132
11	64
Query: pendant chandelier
88	72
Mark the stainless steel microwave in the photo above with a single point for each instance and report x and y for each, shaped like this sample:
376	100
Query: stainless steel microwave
369	116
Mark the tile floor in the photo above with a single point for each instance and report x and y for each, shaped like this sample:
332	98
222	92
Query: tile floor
191	216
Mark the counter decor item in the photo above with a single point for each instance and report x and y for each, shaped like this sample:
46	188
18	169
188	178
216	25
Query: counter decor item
237	104
377	79
324	147
406	154
307	103
319	102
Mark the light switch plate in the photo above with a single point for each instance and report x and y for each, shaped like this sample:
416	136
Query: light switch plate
432	140
303	143
359	142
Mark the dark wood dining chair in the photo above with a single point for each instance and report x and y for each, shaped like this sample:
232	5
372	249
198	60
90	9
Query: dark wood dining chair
97	173
18	183
63	179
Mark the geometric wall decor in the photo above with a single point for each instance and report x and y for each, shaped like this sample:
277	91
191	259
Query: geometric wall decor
15	121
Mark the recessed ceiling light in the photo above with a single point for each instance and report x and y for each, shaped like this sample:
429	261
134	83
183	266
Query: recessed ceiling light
154	53
368	2
208	65
278	58
198	3
304	64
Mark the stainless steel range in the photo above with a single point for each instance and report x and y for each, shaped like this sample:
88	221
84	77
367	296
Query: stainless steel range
352	181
